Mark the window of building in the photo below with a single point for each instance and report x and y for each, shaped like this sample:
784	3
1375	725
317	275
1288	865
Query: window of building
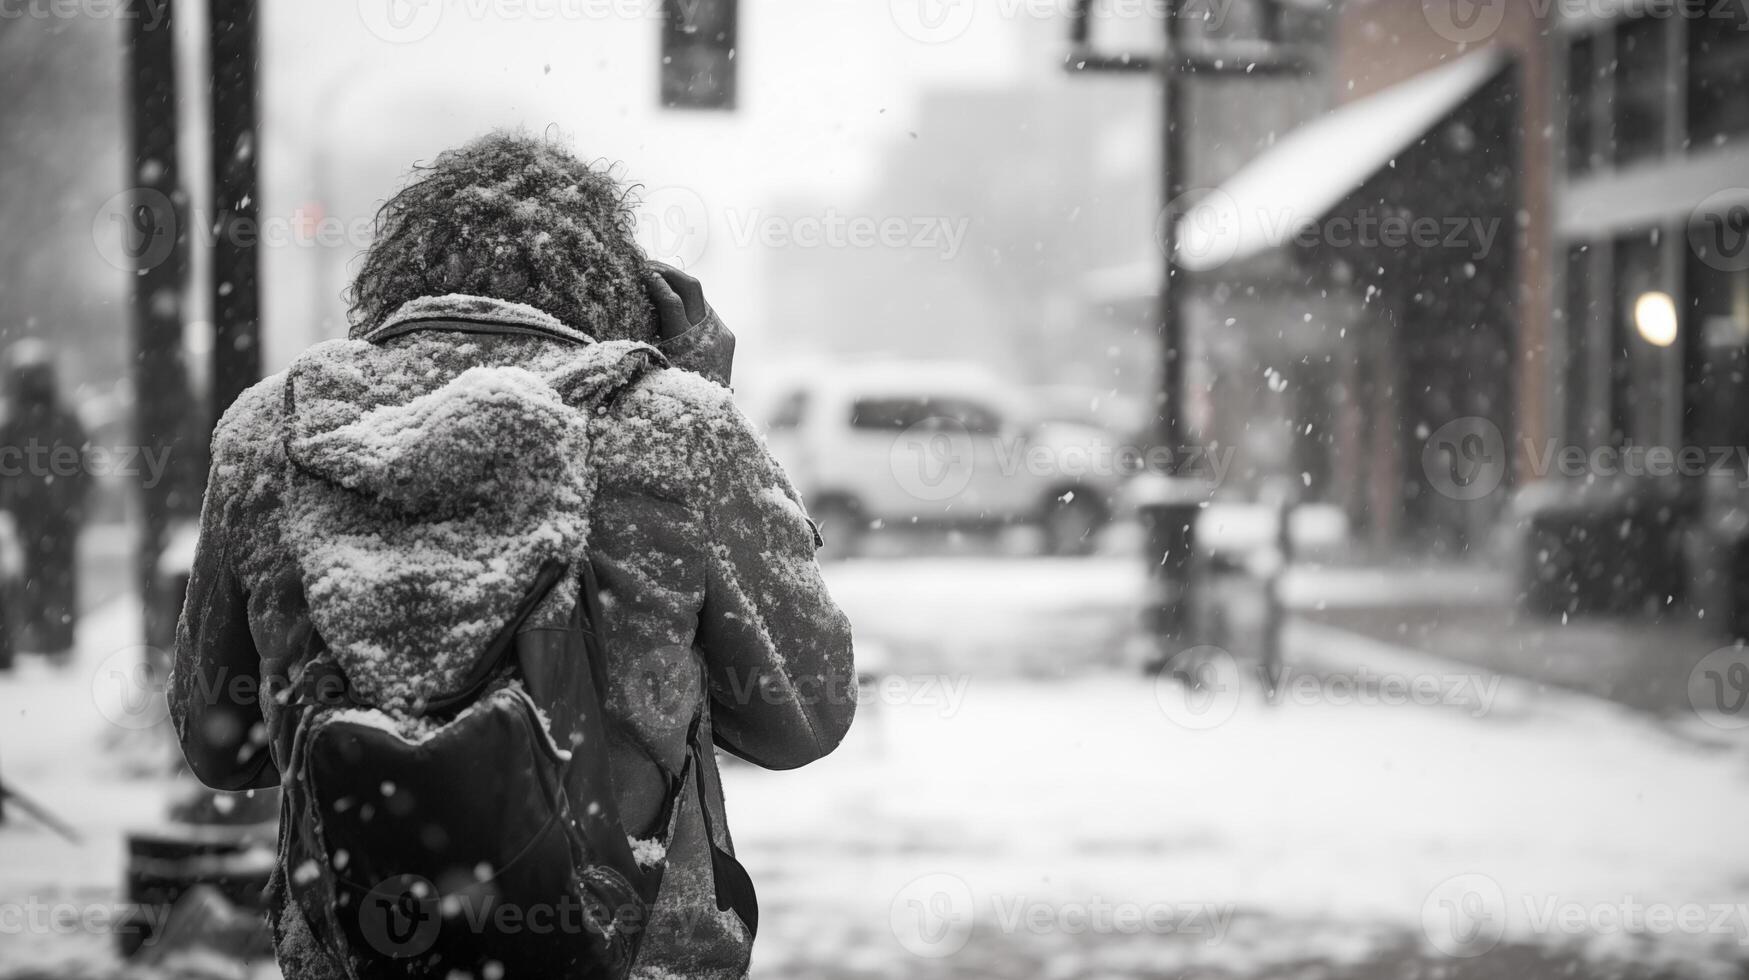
1634	385
1718	76
1578	315
1582	103
1715	406
1642	88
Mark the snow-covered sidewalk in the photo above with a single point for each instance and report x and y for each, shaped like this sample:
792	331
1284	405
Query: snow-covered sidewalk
1007	796
73	738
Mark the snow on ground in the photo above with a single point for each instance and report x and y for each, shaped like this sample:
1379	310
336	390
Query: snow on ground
1044	616
1012	804
970	789
1073	793
69	735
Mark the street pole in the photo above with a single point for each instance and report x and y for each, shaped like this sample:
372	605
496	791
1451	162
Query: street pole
1171	520
1171	523
236	352
156	237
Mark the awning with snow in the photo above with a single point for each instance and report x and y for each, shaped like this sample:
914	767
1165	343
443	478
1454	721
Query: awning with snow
1296	182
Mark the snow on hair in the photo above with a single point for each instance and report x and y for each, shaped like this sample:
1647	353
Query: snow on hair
513	217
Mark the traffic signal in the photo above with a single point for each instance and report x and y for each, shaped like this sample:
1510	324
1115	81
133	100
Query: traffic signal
698	54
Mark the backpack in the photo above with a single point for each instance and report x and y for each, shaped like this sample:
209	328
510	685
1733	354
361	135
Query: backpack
477	832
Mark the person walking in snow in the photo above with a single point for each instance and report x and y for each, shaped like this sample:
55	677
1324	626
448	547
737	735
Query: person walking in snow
527	437
43	485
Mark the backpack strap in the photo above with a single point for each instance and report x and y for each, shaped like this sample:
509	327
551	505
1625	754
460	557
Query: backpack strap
734	887
503	645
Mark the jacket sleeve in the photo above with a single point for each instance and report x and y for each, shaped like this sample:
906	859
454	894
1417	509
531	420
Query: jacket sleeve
215	680
777	650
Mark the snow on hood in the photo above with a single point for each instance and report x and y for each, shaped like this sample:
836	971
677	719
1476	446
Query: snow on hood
430	483
474	442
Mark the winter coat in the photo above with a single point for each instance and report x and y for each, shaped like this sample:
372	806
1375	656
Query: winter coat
711	595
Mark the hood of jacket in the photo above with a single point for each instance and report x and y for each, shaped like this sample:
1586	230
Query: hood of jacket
438	462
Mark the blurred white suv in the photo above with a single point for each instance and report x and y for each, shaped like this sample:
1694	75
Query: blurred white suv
942	444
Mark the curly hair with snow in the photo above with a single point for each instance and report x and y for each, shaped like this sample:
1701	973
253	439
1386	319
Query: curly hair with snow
517	218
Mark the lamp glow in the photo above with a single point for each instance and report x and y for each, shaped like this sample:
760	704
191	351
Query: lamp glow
1655	318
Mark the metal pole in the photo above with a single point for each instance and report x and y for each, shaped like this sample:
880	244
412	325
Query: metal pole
1172	523
236	354
157	240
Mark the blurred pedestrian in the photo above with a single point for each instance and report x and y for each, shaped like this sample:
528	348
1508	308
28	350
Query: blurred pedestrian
43	485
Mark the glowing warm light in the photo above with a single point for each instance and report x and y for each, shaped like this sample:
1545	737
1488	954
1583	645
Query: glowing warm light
1655	318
